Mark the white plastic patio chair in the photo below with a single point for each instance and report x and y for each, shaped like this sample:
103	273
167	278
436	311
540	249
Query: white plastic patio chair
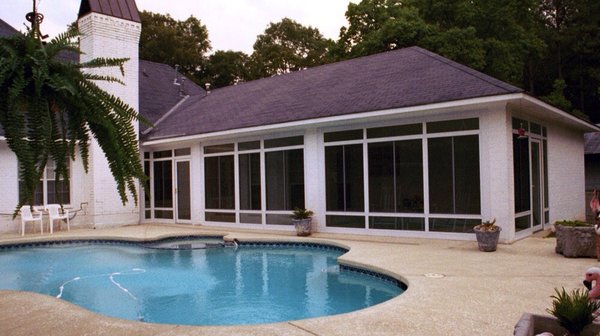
54	214
30	216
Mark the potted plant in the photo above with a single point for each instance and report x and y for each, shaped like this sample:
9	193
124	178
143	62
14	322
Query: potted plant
575	239
302	219
487	234
572	314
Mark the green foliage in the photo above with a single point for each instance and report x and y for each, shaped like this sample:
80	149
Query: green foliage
572	223
225	68
50	108
573	310
529	43
301	213
288	46
182	43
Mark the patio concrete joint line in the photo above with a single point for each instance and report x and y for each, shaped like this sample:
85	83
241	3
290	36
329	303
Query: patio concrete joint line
303	329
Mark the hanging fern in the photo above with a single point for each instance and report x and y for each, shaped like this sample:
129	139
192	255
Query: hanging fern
50	108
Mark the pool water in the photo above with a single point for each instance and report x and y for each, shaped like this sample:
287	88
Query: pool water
213	286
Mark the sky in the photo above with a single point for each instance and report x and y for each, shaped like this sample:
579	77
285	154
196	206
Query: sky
232	24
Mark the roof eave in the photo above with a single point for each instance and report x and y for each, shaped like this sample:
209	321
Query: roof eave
531	104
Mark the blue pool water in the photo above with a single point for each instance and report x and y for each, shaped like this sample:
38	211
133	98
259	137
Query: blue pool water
213	286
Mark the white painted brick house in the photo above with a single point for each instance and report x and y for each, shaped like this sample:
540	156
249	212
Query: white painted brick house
403	143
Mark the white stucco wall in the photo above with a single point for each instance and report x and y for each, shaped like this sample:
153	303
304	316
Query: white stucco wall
497	186
566	177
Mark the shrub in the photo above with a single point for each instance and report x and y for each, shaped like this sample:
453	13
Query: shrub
573	310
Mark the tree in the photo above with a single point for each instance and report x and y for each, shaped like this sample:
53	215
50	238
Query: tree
225	68
288	46
50	107
182	43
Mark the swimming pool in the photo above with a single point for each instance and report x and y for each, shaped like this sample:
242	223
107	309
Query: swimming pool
249	284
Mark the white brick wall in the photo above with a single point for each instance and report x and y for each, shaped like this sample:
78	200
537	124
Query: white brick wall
105	36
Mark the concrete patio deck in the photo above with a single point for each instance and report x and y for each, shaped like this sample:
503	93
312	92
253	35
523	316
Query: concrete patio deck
479	293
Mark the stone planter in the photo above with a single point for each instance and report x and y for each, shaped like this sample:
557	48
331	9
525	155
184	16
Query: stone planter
303	226
487	241
533	324
576	241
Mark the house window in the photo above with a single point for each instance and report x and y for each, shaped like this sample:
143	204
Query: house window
163	189
454	175
49	190
344	178
285	179
254	182
396	176
250	184
219	182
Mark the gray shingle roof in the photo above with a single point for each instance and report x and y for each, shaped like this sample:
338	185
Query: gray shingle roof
122	9
401	78
592	143
158	93
6	29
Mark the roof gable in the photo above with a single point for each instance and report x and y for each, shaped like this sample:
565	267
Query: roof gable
122	9
395	79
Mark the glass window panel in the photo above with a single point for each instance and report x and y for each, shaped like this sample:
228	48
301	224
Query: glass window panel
250	218
163	184
182	151
522	223
163	154
521	174
220	217
393	131
148	214
218	149
357	222
344	178
277	219
459	225
409	176
184	206
163	214
344	135
545	163
243	146
453	125
544	132
146	155
520	123
454	185
285	179
250	184
381	177
536	128
397	223
441	186
147	198
284	142
467	198
219	182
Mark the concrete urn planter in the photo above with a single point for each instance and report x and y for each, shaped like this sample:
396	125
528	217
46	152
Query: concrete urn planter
487	241
576	241
533	324
303	226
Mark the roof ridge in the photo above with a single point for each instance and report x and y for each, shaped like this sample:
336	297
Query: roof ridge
463	68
